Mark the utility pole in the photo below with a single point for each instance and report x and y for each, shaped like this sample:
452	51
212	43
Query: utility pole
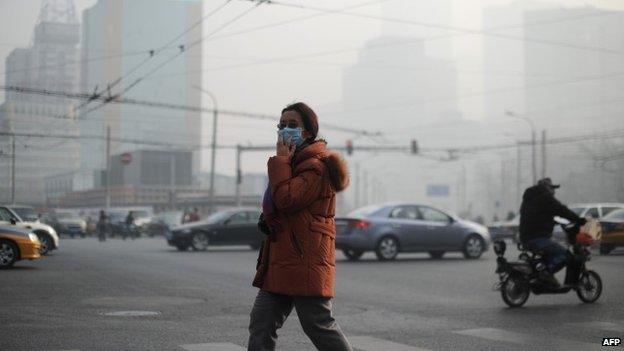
13	170
518	172
239	175
533	141
544	153
534	155
213	153
108	168
357	184
172	193
365	190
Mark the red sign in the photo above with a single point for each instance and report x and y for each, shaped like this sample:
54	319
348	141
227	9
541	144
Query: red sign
126	158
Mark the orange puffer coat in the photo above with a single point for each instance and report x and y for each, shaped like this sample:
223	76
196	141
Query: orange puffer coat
300	260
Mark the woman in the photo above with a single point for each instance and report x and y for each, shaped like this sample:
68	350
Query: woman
296	267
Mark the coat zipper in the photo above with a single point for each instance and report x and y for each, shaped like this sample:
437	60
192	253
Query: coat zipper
296	243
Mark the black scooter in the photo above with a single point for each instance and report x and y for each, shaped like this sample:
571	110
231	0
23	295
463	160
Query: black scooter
518	279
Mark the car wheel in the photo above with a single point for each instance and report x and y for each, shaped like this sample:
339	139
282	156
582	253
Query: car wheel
473	247
387	248
46	244
436	254
8	253
605	249
200	242
353	255
182	247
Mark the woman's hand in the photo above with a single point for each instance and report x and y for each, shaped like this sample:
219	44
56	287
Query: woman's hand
285	147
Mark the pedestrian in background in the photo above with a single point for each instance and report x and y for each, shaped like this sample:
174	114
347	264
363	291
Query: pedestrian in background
102	225
194	216
298	209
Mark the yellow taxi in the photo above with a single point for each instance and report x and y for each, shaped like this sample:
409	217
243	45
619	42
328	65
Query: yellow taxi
17	244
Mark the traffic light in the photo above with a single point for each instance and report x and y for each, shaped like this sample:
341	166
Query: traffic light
349	147
414	147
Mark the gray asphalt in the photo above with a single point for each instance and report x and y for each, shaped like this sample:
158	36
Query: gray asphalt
60	302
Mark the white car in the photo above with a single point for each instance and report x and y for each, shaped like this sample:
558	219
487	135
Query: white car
591	210
596	210
27	218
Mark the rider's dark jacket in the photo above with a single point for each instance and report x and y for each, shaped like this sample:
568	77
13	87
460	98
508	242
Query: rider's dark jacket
538	208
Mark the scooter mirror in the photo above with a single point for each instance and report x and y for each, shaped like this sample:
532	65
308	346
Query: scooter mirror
499	247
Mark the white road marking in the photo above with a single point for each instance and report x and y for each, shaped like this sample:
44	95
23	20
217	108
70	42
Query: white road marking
526	339
367	343
607	326
213	346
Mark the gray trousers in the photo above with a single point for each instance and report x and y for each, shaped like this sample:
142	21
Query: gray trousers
315	315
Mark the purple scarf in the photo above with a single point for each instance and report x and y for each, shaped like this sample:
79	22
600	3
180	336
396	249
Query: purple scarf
269	212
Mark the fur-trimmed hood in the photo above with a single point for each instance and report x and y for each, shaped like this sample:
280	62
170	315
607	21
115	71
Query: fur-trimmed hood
338	170
337	166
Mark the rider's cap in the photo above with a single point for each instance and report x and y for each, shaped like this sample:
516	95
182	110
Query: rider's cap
548	182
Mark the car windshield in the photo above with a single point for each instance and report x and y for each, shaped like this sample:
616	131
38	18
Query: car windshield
140	214
577	210
117	216
615	215
218	217
26	213
365	211
171	218
67	215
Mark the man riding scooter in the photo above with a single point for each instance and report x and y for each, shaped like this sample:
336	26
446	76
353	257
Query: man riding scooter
537	212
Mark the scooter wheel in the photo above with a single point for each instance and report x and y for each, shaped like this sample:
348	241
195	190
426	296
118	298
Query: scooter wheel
515	292
589	287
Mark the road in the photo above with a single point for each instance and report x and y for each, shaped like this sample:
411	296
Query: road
201	301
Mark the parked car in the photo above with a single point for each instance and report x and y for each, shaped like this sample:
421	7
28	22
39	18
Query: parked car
389	229
67	223
612	231
593	210
231	227
506	230
12	215
17	244
162	222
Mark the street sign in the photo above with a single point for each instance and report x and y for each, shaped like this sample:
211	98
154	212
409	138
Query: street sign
126	158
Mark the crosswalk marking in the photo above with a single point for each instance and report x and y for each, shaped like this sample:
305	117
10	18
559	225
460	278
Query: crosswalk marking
213	346
526	339
606	326
367	343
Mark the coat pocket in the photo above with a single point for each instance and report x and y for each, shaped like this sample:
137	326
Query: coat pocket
322	242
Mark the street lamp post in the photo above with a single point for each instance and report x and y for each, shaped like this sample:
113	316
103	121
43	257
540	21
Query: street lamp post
213	153
533	141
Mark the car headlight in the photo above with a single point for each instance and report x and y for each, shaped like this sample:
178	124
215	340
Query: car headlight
34	238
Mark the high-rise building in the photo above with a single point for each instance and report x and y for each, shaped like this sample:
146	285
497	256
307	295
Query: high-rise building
122	42
563	72
49	63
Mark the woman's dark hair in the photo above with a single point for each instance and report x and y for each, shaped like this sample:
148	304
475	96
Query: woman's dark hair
310	121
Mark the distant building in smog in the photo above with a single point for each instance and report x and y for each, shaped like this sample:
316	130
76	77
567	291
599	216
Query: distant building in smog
131	34
49	63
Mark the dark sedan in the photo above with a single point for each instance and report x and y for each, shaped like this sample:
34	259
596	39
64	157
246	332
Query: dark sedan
231	227
401	227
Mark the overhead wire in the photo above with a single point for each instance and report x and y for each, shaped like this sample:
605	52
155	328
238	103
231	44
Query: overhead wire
449	28
152	54
164	105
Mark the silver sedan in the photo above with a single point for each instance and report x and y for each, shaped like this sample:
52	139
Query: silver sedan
388	229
